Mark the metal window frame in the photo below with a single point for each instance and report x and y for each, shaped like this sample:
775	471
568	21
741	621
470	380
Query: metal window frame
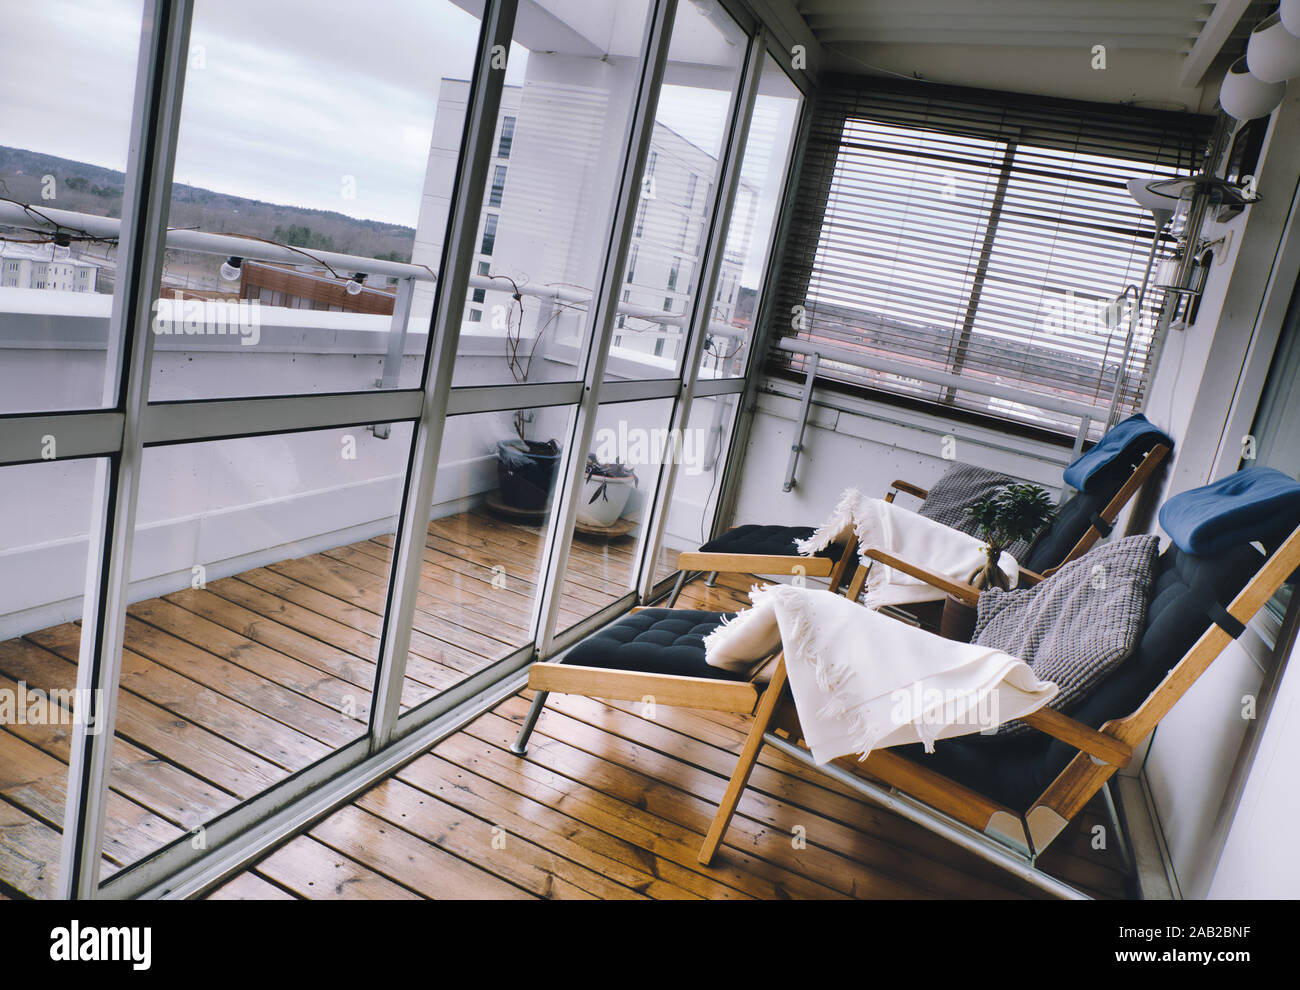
129	424
733	154
155	120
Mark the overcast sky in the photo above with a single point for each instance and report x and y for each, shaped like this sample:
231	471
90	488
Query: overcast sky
283	99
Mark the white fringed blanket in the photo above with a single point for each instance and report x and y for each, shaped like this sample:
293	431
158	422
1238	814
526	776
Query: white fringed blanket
863	681
881	525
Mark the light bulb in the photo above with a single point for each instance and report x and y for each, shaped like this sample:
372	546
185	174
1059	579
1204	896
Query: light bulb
230	269
353	287
62	252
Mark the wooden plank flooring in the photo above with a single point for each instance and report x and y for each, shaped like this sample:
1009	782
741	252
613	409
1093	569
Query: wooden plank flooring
230	688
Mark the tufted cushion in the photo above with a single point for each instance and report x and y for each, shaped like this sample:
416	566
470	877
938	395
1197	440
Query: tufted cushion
775	541
1115	455
1016	769
655	641
1256	503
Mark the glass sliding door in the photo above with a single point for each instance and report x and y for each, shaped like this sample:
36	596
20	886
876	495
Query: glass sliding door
752	229
64	132
570	89
246	495
259	584
311	186
677	195
45	511
618	487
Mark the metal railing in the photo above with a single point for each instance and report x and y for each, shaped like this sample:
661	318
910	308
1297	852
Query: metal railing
817	353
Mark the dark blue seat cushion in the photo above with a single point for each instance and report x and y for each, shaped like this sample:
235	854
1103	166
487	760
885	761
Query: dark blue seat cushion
655	641
1256	503
774	541
1016	769
1115	455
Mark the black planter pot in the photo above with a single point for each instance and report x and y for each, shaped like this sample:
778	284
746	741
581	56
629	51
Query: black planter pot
526	473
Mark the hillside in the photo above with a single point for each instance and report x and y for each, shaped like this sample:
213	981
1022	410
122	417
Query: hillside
91	189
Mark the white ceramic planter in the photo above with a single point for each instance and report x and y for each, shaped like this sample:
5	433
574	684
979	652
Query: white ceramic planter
1245	96
607	508
1273	52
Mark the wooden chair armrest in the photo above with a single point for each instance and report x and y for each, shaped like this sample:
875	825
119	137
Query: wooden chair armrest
911	489
1031	578
1080	736
964	593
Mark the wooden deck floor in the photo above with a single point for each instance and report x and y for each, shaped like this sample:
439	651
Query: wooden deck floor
229	689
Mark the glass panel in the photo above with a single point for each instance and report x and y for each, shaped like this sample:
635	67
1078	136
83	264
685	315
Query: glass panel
45	512
69	76
753	224
570	87
678	189
338	145
484	553
703	456
259	581
627	448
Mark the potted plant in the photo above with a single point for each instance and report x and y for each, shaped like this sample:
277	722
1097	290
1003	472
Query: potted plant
1011	513
526	469
608	487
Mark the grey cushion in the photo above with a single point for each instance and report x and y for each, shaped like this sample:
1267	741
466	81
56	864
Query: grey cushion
1077	626
961	486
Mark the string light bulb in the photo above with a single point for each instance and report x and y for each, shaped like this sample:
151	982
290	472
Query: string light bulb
62	246
353	288
230	269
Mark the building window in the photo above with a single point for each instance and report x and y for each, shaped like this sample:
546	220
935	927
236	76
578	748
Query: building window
651	162
640	216
692	181
478	295
476	316
631	263
507	137
498	186
489	234
668	304
673	273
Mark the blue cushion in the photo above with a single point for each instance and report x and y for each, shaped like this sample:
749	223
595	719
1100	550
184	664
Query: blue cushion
1126	442
769	541
1256	503
656	641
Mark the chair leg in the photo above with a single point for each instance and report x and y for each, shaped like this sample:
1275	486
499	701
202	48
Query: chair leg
745	766
711	580
677	588
520	746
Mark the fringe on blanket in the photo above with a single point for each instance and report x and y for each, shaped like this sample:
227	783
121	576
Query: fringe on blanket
859	513
800	641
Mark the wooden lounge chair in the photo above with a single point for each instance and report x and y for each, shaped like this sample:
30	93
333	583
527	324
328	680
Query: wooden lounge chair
1008	797
1003	797
1080	521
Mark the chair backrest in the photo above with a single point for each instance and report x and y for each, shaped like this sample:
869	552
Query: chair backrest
1102	473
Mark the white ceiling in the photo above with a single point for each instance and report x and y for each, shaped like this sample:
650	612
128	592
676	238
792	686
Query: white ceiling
1042	46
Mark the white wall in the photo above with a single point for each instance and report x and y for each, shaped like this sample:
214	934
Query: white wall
1204	394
